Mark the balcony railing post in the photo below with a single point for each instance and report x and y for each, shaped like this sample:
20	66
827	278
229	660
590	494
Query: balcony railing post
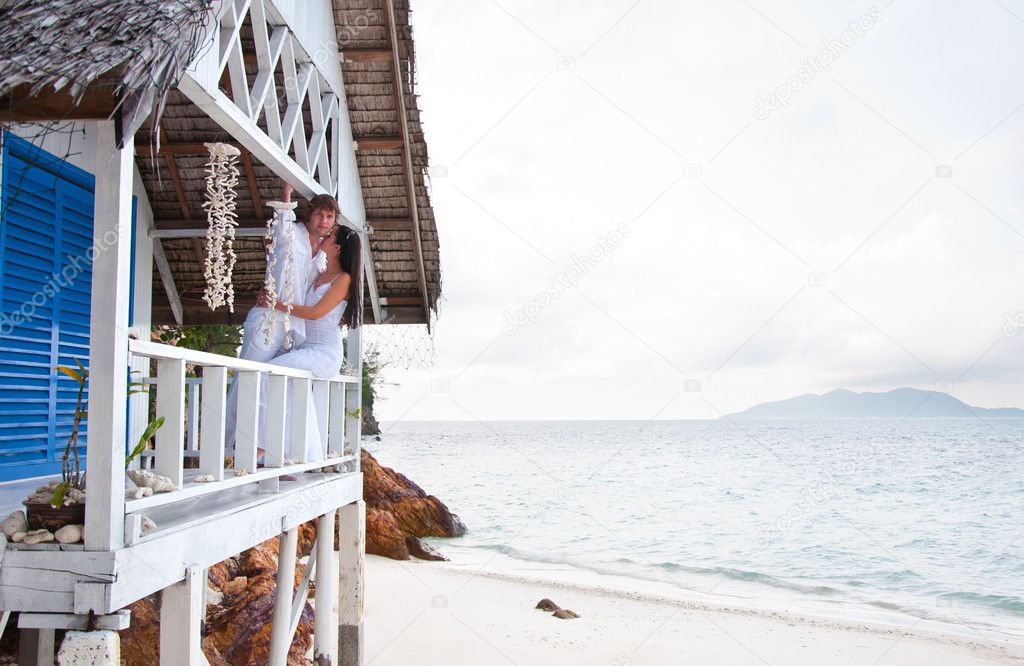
108	339
353	395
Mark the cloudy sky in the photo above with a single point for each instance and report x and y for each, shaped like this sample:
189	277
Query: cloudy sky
676	209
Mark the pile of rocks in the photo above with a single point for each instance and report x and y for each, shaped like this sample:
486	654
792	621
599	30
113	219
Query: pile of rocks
549	606
15	528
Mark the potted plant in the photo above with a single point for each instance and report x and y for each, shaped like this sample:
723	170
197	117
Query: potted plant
63	502
66	502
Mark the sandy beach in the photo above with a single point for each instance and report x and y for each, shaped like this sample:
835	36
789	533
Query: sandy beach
434	613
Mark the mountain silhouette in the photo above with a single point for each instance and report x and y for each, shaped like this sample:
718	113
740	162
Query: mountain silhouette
898	403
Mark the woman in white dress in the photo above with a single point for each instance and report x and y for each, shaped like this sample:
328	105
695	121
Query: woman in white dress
333	300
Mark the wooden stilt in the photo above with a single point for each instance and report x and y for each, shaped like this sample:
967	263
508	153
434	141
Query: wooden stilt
36	647
352	530
280	639
181	616
325	632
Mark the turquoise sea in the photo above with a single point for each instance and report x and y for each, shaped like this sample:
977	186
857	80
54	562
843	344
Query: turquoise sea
917	522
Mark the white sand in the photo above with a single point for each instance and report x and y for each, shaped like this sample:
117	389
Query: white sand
431	613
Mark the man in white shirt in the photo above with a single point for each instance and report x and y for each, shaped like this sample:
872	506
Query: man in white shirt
298	262
294	260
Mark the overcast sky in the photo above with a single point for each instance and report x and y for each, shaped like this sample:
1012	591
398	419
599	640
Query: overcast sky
676	209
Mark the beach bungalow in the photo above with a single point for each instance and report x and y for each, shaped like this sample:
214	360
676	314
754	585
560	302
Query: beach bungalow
105	109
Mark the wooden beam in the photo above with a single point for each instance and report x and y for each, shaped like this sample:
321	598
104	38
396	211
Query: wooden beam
410	181
390	224
97	103
366	55
163	267
172	167
197	233
162	225
402	300
184	148
378	142
254	190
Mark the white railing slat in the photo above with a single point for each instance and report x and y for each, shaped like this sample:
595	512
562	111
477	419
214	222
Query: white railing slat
192	405
277	406
247	426
336	420
170	404
300	389
211	449
321	403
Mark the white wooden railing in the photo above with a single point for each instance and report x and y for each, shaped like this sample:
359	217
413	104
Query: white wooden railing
337	402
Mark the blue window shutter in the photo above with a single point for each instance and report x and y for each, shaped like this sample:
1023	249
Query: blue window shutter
46	239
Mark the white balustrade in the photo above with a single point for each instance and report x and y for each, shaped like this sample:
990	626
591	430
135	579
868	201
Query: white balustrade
288	390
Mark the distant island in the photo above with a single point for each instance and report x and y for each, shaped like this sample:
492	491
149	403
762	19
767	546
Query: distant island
898	403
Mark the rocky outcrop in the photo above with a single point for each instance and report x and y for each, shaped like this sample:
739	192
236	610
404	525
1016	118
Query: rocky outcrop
238	624
399	512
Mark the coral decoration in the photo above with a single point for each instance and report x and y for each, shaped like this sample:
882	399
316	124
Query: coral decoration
221	181
287	293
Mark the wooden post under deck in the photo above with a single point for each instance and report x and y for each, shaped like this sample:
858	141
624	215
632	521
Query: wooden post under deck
108	339
325	637
352	532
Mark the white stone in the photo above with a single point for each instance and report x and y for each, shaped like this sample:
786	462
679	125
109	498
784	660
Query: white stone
137	493
147	525
69	534
90	648
14	523
204	478
143	478
37	536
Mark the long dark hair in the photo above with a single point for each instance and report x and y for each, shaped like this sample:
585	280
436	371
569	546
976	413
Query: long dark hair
350	258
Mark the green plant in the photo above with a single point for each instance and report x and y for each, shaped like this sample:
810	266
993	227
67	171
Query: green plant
70	463
147	435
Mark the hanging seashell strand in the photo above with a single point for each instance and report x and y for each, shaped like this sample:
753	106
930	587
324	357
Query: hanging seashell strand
221	181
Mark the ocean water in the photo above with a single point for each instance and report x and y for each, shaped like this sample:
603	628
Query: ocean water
917	522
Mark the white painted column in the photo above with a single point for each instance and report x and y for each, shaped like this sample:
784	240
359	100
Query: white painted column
325	630
352	541
108	339
181	616
354	396
35	647
280	638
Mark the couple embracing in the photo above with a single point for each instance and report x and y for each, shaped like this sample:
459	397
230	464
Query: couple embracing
320	261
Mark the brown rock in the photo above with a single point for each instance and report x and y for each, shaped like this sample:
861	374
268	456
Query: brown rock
235	585
547	605
417	513
397	509
140	642
565	614
222	572
238	630
383	536
422	550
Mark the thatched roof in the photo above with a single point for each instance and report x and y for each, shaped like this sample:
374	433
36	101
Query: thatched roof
99	56
122	58
363	37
